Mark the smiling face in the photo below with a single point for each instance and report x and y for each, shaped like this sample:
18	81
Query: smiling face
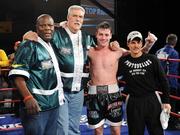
75	19
135	47
103	37
45	27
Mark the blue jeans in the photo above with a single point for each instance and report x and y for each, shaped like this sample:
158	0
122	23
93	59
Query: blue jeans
44	123
70	113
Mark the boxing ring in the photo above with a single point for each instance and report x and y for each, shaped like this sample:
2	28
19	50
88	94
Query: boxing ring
10	123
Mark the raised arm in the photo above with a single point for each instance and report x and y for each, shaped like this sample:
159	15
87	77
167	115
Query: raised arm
149	42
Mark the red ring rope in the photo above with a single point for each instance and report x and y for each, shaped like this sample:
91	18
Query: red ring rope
122	82
173	60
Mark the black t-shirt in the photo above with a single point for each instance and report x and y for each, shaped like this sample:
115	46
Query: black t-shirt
143	76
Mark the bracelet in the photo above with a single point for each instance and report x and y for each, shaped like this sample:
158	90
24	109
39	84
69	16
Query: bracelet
27	98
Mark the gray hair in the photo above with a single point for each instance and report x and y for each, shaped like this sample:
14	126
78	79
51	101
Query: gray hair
75	7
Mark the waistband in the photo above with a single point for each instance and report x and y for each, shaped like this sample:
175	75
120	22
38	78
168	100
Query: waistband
103	89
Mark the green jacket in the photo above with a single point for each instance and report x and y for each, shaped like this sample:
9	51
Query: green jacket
33	62
72	59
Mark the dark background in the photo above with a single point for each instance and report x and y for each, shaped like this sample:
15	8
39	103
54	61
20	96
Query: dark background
158	16
23	14
161	17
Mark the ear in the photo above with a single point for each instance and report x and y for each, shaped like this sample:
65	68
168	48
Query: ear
96	33
111	36
128	44
141	42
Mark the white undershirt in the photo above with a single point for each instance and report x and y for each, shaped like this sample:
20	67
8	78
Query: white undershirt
78	58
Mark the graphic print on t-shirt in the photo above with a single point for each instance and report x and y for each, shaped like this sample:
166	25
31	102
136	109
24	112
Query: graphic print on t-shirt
138	68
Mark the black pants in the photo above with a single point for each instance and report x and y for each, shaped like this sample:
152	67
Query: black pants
144	112
174	108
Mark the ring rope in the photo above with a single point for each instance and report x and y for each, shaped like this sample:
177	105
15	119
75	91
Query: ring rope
10	101
171	96
7	89
11	129
5	69
172	113
122	82
16	101
174	76
173	60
